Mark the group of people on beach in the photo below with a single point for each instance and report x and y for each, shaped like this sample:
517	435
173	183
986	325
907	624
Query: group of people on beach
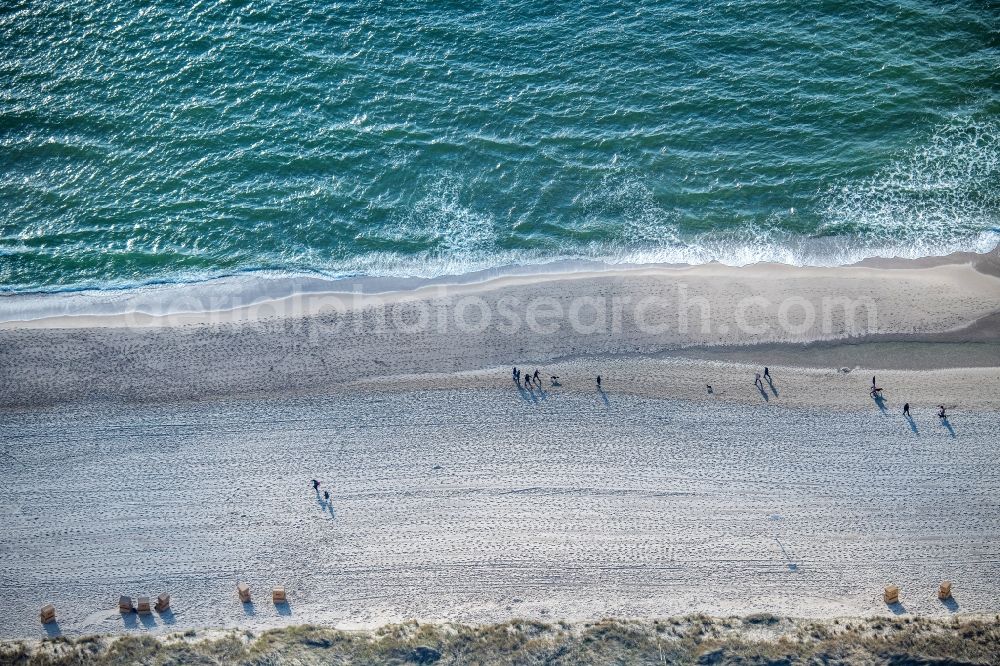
528	379
876	393
757	380
534	380
326	493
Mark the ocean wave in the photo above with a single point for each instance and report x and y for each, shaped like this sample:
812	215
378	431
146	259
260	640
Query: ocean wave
942	196
735	248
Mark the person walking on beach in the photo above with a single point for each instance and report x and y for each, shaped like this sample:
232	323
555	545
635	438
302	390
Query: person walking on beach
315	485
535	377
326	495
527	381
941	412
598	382
767	374
906	409
756	382
515	374
873	382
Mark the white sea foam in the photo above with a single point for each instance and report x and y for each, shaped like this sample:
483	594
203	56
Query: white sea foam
939	198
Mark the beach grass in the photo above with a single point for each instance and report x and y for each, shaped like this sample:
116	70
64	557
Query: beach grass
699	639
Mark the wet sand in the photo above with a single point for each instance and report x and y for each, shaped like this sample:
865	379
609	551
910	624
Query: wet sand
313	343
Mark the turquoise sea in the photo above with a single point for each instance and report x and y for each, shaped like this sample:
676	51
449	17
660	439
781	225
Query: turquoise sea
178	141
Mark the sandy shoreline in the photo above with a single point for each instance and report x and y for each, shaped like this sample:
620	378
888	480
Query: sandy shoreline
177	457
313	343
239	298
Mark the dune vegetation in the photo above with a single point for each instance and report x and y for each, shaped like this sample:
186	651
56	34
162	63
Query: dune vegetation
754	639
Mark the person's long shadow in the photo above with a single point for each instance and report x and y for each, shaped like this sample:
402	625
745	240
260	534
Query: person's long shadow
792	566
763	393
947	424
326	505
528	395
604	396
774	390
880	401
913	424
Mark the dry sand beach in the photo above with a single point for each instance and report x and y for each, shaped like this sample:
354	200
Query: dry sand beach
146	454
